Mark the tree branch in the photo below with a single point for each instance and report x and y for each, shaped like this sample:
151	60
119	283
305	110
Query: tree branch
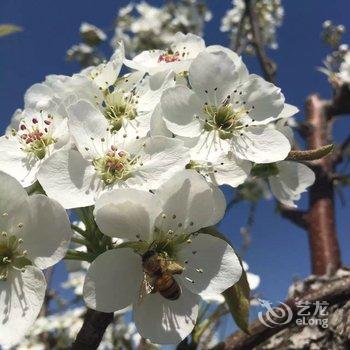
297	217
267	65
238	47
340	103
333	292
92	331
324	246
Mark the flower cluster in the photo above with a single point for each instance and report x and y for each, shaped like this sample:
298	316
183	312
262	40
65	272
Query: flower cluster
143	26
269	15
87	53
35	235
337	63
139	157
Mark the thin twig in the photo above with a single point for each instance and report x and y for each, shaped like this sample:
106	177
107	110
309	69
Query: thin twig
239	47
297	217
267	65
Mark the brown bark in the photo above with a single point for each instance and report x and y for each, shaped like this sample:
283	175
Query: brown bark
333	292
92	331
324	246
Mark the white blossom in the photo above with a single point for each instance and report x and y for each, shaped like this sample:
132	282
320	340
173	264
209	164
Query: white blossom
39	135
104	161
143	27
344	70
35	234
182	50
269	15
226	110
168	224
289	179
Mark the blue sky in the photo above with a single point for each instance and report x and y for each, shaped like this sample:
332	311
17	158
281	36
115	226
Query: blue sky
279	251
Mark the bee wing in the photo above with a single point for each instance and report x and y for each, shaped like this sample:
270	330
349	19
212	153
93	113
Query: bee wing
146	287
174	267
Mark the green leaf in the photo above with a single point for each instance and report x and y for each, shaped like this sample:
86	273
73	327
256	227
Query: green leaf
264	170
312	154
7	29
238	296
238	301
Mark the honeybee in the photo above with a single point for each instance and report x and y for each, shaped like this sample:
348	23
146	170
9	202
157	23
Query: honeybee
158	276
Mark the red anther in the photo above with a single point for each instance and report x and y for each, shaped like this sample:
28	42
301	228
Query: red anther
113	148
168	58
119	166
121	154
24	136
23	127
35	121
45	130
47	122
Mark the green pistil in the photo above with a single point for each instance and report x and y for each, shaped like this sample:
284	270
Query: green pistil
117	109
167	244
192	165
38	147
223	119
114	166
12	255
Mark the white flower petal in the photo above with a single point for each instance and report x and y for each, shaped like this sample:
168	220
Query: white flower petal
213	298
127	213
261	145
208	146
241	68
69	179
162	158
21	298
158	126
144	61
187	45
286	130
211	265
288	111
105	74
180	106
39	96
229	170
292	180
164	321
263	99
113	280
253	280
87	124
190	203
16	163
14	207
12	194
48	235
212	76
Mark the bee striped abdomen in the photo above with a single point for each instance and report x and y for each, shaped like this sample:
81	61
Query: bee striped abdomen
167	286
